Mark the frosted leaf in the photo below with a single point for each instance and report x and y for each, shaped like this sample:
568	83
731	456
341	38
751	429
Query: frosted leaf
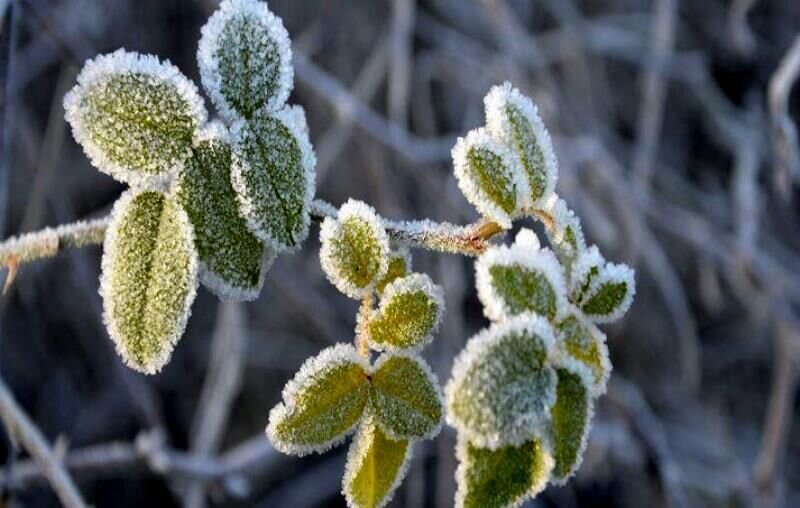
610	293
273	176
585	269
149	278
233	261
505	477
502	387
376	465
580	339
565	233
571	419
490	176
322	404
517	279
398	266
134	116
245	59
354	249
409	314
512	119
406	398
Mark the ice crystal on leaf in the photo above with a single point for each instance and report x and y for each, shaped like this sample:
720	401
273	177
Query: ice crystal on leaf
134	116
149	277
245	59
571	419
233	262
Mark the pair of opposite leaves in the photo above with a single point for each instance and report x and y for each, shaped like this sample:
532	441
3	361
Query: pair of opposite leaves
212	201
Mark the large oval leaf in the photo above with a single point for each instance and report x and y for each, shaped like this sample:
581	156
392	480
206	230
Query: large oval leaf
501	387
245	59
149	278
322	404
134	116
233	261
273	175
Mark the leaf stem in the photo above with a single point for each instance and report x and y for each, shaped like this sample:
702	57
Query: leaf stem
362	320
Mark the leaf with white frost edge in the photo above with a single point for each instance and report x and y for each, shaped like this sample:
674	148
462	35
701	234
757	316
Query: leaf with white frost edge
233	262
585	269
490	176
517	279
354	249
322	404
501	387
397	266
580	339
149	278
610	294
406	398
512	119
376	465
565	232
410	311
245	59
505	477
571	418
134	116
273	175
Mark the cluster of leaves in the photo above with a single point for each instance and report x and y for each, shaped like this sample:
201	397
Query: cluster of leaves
209	201
392	402
522	391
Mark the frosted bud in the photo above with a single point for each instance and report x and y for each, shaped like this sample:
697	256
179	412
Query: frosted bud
571	419
565	232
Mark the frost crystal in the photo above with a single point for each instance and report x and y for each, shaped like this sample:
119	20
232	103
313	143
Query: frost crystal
149	278
134	116
502	387
490	176
512	119
273	175
245	59
233	262
354	249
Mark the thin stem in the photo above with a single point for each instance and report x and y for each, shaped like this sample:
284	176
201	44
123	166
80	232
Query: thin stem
362	320
50	241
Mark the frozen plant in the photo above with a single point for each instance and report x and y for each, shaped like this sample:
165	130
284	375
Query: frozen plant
214	202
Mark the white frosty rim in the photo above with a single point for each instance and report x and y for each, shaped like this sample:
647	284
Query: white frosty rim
97	72
110	252
209	44
612	273
290	117
328	358
470	188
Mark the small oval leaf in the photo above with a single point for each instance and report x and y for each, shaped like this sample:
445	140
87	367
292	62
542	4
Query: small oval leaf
582	341
409	314
397	267
610	294
490	177
585	269
406	398
233	261
513	120
322	404
564	231
501	387
245	59
503	477
134	116
149	278
273	175
571	419
354	249
376	464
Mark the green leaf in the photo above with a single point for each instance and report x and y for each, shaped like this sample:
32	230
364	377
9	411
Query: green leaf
354	250
322	404
405	397
501	387
517	279
245	59
134	116
490	177
582	341
571	418
398	266
503	477
609	294
512	119
564	231
376	464
149	278
409	314
584	271
273	175
233	261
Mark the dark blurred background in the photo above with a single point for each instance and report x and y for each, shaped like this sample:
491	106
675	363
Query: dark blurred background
673	123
